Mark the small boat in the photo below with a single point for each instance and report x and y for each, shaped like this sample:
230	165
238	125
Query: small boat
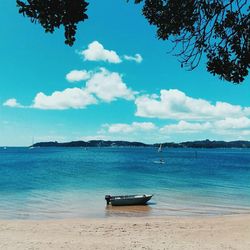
32	145
127	200
161	160
160	148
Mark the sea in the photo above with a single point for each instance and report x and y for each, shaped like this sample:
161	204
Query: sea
59	183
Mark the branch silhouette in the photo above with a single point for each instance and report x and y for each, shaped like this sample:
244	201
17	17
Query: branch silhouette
218	29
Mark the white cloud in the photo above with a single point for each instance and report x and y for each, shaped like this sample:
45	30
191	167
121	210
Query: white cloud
12	103
75	98
108	86
186	127
128	128
175	104
247	110
102	86
226	129
137	58
233	123
245	132
96	52
77	75
228	126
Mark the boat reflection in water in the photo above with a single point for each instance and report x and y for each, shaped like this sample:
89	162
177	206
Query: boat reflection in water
127	211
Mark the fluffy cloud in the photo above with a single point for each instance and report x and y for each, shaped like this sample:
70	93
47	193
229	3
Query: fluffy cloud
128	128
96	52
12	103
233	126
75	98
174	104
233	123
237	128
137	58
108	86
77	75
229	126
186	127
102	86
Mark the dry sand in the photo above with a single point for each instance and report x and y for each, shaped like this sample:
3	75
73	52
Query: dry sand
222	232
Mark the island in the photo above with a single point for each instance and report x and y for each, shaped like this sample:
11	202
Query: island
189	144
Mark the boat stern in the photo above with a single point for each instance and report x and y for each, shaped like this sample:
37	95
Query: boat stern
108	198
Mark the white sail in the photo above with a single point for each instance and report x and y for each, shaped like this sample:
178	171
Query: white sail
161	160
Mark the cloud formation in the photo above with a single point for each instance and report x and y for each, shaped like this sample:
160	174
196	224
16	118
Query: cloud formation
101	86
233	123
96	52
77	75
175	104
128	128
234	128
186	127
137	58
75	98
108	86
12	103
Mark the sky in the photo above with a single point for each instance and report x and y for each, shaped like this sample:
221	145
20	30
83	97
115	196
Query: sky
118	82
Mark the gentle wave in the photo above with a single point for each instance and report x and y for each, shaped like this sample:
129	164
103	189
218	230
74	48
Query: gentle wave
47	183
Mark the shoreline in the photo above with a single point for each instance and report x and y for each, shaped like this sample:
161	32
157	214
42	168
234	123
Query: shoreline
168	232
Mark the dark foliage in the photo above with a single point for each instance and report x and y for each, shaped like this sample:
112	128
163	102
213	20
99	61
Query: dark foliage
52	14
189	144
220	29
92	143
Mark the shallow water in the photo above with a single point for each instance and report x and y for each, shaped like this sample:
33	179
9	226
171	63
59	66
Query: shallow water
51	183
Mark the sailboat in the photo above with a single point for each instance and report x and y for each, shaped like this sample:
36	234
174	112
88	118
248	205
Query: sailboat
160	148
161	161
32	145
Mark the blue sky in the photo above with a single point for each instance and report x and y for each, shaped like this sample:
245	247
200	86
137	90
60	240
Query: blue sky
116	82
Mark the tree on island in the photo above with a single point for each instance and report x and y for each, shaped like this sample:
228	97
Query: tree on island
220	29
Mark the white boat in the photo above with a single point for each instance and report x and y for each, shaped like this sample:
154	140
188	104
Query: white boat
160	162
32	145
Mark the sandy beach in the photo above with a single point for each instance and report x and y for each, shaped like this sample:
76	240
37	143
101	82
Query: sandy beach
221	232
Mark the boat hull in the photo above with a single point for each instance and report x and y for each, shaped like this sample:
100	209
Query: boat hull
130	200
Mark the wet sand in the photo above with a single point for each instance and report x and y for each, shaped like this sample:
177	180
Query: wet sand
220	232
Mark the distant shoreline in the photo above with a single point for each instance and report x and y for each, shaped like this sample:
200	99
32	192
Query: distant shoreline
188	144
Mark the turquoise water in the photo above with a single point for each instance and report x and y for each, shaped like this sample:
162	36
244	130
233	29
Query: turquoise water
53	183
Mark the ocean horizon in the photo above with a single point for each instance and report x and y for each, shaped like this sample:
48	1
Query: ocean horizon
57	183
